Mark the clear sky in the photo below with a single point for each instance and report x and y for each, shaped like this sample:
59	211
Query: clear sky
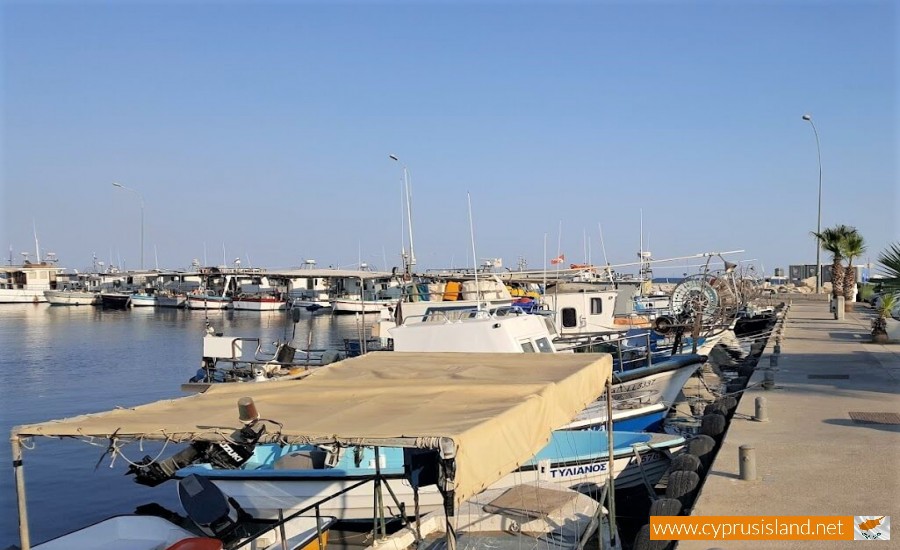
265	128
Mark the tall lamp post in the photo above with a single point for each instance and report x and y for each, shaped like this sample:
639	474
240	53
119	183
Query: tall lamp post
120	186
808	118
412	254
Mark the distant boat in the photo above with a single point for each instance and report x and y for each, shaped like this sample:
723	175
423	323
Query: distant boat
72	297
207	299
25	284
144	299
115	300
259	302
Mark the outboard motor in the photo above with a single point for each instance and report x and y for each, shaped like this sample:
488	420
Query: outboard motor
215	514
223	455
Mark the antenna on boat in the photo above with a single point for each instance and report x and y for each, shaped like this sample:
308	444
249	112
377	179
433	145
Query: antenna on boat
605	257
474	255
156	257
37	247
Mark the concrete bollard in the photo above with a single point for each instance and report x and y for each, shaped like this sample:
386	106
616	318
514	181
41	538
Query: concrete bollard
747	459
839	308
768	379
762	410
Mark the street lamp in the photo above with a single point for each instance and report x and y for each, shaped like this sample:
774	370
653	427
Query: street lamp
120	186
808	118
412	254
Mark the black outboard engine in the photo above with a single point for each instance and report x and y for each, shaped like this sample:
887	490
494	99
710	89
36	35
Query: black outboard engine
222	455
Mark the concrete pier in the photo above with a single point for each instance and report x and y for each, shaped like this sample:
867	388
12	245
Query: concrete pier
812	458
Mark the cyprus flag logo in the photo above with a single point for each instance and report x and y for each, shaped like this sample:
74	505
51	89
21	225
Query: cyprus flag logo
872	527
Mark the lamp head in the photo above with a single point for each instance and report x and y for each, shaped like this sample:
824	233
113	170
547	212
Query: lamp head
806	117
247	412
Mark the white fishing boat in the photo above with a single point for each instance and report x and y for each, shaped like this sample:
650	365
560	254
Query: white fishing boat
573	459
259	302
207	299
144	299
24	284
72	297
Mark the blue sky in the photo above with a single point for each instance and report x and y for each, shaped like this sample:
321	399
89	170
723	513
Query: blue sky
265	128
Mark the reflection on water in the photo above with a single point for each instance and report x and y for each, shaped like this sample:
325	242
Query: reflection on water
62	361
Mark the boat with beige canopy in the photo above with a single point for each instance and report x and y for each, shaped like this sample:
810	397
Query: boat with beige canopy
470	417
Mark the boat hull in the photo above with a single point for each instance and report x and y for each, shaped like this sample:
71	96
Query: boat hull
358	306
170	301
114	300
71	298
265	491
207	302
21	296
250	304
143	300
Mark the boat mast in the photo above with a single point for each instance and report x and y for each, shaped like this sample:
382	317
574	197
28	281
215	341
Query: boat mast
37	247
474	256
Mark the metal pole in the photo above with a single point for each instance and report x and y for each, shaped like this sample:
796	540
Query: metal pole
809	119
141	197
611	495
18	468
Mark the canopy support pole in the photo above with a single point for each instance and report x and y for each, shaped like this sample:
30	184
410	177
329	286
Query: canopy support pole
611	502
18	468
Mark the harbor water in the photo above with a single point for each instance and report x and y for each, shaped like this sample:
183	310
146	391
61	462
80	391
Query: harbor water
58	362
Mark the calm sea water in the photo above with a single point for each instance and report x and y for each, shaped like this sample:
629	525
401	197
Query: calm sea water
59	361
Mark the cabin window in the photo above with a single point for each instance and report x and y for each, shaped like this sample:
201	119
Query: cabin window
527	347
596	306
543	345
569	317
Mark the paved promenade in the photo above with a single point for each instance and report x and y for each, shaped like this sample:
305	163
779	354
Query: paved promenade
812	459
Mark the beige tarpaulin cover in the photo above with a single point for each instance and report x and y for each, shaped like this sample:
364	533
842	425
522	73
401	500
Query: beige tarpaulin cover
498	408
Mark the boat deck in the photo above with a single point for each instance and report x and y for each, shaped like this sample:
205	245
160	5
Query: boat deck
811	457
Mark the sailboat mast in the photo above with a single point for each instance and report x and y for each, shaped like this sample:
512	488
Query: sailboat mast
412	253
37	247
474	255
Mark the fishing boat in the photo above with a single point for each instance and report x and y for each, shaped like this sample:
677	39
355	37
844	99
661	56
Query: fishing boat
207	299
259	302
26	283
577	459
115	299
448	410
72	297
144	298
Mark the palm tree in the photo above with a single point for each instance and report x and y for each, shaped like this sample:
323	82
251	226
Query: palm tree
831	240
890	264
854	246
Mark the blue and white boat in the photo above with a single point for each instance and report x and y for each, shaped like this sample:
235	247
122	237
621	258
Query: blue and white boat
296	476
